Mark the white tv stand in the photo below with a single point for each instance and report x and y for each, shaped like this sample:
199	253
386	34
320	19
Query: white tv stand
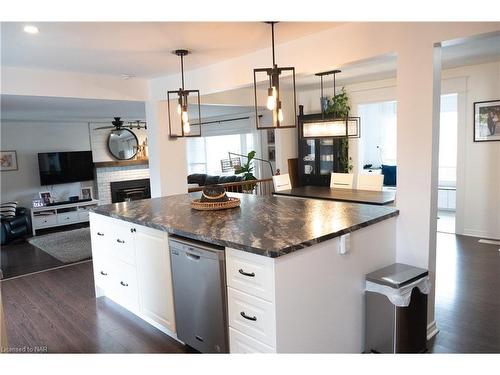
59	215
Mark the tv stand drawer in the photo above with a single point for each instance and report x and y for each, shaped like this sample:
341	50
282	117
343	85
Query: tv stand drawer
67	217
42	221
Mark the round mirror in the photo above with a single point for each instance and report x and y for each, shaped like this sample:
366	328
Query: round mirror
123	144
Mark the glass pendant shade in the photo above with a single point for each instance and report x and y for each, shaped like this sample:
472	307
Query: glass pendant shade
184	108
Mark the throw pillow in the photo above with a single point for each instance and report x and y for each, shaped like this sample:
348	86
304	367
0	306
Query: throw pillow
8	209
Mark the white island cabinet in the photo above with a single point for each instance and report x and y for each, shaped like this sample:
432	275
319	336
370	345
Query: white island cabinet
132	267
308	301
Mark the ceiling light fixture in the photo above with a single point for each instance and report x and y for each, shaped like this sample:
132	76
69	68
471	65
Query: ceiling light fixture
30	29
274	100
178	115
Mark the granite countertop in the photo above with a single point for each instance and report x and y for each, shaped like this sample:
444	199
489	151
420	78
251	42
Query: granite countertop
265	225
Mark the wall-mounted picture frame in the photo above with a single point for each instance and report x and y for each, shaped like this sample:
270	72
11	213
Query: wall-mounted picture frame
45	196
87	192
487	121
8	161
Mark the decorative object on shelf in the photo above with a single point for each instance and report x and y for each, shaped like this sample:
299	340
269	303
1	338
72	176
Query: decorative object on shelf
214	198
142	150
487	121
178	115
281	114
46	197
87	192
38	202
8	161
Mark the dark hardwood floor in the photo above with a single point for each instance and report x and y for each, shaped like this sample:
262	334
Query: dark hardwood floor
21	258
467	296
57	310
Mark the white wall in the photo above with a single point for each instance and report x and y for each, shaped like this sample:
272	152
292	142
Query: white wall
478	172
30	138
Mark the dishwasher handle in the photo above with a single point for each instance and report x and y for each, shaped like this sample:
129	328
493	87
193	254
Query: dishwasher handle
192	256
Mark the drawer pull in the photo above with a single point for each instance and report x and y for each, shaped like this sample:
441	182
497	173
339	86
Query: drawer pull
246	273
104	273
252	318
123	284
100	234
133	230
119	241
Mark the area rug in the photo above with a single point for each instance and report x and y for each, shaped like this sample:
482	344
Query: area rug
68	247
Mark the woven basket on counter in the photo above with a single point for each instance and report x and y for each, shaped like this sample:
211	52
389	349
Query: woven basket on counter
212	206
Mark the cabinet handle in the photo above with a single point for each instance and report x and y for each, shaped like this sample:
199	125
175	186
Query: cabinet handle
119	241
252	318
100	234
104	273
124	284
246	273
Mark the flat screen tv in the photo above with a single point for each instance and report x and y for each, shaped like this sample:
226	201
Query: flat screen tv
65	167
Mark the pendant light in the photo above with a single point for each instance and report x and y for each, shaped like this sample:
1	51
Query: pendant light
282	115
330	125
179	116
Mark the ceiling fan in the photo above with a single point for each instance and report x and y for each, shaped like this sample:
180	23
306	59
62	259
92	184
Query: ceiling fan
118	124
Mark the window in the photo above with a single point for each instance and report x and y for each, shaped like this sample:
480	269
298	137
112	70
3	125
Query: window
204	154
378	133
448	140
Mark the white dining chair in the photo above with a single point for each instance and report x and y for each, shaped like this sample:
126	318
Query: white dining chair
370	182
282	182
341	180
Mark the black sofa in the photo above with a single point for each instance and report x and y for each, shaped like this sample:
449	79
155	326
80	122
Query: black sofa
204	179
15	227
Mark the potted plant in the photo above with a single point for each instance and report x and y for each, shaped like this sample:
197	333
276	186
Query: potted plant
338	106
247	170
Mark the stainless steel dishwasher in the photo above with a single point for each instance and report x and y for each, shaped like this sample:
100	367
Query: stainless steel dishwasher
199	281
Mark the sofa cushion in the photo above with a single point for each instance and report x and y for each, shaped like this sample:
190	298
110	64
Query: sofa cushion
8	210
226	179
212	180
197	178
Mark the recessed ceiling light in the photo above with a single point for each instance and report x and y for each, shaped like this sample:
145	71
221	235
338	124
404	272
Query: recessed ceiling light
30	29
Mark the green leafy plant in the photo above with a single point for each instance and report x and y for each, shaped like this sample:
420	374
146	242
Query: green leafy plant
338	105
345	159
247	170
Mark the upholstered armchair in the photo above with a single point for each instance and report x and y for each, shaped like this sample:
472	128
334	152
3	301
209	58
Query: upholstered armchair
15	227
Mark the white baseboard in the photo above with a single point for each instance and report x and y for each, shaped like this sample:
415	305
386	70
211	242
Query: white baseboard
432	330
481	234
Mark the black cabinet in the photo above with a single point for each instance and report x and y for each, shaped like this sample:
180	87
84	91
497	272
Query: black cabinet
318	157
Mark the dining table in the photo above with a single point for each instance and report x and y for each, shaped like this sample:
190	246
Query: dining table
379	198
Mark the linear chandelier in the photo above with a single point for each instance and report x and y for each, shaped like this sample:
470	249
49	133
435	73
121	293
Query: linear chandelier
179	115
282	115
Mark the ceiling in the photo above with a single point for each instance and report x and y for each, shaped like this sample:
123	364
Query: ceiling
142	49
19	108
42	108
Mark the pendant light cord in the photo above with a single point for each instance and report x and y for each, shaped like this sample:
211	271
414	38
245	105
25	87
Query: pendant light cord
272	41
182	71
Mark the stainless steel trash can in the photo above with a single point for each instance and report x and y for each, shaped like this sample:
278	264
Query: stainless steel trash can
392	327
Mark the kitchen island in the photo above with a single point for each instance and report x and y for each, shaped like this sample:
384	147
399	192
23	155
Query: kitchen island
297	266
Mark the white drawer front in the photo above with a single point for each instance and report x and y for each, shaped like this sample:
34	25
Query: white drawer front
67	217
44	221
83	215
250	273
122	241
103	271
240	343
252	316
122	285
